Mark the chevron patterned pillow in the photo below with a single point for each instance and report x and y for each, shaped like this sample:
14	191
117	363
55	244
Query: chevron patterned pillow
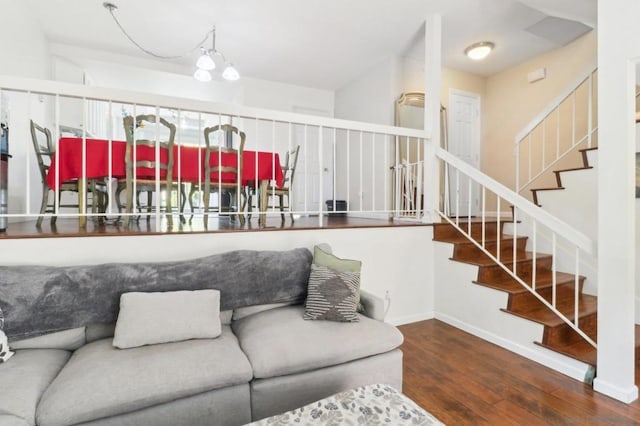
5	353
332	295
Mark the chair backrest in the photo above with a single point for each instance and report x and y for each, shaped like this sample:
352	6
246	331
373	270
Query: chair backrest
212	166
148	157
43	146
289	168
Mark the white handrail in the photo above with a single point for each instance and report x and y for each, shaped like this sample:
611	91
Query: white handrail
50	87
541	120
542	216
551	106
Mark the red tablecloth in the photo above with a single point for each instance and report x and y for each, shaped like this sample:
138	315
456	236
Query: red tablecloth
188	163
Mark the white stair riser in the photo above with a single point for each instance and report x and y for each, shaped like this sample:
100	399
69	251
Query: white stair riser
577	204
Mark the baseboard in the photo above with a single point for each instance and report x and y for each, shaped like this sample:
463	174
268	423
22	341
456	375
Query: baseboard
637	310
570	367
626	395
411	318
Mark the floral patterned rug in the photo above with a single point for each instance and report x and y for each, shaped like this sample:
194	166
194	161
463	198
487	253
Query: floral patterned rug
366	405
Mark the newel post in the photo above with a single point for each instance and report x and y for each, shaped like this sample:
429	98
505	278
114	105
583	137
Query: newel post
433	81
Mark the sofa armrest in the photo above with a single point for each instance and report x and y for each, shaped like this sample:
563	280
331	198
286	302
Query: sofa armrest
373	305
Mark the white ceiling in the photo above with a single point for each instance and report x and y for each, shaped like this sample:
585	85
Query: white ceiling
314	43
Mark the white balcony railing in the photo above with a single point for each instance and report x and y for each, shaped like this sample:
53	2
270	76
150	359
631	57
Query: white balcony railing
338	159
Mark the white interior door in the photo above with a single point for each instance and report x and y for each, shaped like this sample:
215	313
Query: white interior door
464	143
306	185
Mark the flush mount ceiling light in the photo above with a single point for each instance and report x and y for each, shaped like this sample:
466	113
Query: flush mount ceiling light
205	62
479	51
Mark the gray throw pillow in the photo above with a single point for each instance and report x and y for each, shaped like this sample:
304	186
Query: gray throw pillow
151	318
332	295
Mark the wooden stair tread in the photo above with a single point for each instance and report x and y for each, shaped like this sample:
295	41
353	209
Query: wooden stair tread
543	281
554	188
573	169
588	149
581	350
541	314
462	239
521	256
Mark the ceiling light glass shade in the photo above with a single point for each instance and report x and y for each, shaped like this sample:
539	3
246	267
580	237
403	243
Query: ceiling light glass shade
205	62
230	73
202	75
479	51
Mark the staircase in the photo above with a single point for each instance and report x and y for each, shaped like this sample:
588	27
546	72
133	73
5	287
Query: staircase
557	335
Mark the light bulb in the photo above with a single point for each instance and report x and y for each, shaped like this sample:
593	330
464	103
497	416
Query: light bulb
205	62
230	73
202	75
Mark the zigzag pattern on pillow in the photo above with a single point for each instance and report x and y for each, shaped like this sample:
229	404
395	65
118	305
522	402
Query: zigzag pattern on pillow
332	295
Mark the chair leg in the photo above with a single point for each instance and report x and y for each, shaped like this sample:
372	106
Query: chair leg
43	204
54	217
192	192
149	206
183	202
206	197
241	205
290	211
249	203
281	200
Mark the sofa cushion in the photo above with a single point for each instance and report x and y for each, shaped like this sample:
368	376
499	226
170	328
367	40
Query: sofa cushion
24	379
100	380
245	311
69	340
280	341
9	420
163	317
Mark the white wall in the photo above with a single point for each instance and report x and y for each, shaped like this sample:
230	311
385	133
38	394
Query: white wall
25	52
393	259
370	98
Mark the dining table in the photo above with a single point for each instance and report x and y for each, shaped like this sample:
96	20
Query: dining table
87	158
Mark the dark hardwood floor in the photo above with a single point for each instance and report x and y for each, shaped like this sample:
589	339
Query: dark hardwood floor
464	380
112	226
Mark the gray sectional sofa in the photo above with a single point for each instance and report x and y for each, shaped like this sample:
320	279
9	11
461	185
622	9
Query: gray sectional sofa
65	371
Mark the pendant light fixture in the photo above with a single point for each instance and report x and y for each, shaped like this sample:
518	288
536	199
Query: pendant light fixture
206	61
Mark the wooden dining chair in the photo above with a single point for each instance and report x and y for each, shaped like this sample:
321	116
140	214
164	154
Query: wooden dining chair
212	182
137	180
280	192
45	149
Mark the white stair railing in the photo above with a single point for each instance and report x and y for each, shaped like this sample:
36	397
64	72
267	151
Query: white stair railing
545	231
555	133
